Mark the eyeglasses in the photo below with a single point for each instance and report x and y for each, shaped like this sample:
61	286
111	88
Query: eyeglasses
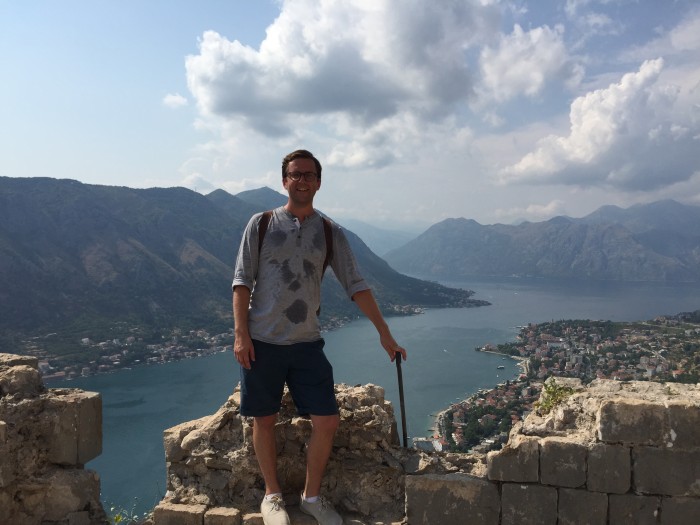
309	176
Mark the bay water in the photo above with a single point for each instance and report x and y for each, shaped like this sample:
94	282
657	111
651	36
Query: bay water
442	367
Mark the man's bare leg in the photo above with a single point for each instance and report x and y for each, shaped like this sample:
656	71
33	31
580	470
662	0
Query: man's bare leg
318	452
266	451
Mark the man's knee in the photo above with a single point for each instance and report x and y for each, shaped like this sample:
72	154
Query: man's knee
265	422
325	424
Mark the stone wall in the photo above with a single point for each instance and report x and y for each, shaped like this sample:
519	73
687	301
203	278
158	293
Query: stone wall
610	453
46	436
212	469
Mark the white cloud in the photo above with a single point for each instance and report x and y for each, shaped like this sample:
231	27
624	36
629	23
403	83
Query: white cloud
686	36
390	99
635	135
196	182
524	61
352	65
174	100
683	38
532	212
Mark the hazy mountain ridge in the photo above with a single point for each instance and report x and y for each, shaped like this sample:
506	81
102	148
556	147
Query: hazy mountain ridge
74	254
380	240
654	242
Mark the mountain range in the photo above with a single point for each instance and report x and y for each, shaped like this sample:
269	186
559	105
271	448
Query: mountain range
81	259
651	242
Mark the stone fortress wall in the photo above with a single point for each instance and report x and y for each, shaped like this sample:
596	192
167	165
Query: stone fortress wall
46	436
610	453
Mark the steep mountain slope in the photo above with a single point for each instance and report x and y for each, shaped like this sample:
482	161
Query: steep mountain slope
74	255
656	242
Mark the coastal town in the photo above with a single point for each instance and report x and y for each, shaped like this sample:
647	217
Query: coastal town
121	353
130	347
663	349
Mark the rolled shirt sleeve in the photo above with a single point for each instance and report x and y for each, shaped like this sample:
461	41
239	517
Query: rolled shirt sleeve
344	264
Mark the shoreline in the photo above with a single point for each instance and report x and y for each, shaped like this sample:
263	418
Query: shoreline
522	364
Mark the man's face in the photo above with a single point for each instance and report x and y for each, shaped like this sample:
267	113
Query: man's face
302	191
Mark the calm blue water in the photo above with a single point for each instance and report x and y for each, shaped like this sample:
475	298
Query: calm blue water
442	367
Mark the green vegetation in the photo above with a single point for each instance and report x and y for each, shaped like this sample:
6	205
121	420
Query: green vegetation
552	395
121	516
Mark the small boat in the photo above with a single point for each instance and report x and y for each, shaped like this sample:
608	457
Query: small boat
500	367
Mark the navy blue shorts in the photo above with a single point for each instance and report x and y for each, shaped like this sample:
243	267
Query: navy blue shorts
305	369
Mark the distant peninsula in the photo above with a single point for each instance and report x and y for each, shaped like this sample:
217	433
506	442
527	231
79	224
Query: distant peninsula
664	349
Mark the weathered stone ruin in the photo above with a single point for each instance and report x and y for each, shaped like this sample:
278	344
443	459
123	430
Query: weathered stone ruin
610	453
46	436
212	467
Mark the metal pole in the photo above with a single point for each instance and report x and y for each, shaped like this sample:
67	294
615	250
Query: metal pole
403	407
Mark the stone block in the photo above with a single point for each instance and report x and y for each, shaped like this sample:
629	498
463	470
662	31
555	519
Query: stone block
222	516
625	509
680	511
20	379
79	518
77	432
451	499
70	491
562	462
172	440
89	425
609	468
176	514
89	416
668	472
248	519
7	472
632	421
10	360
580	507
63	442
6	506
684	425
518	461
527	505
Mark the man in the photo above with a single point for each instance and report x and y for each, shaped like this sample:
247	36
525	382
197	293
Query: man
276	299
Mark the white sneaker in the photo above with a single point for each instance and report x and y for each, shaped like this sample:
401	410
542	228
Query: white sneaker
322	510
273	511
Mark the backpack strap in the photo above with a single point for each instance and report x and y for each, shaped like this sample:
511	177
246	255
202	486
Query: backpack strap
262	228
328	232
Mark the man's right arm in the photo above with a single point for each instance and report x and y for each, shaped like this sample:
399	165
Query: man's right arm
243	345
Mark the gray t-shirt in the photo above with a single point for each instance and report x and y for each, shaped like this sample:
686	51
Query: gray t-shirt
285	279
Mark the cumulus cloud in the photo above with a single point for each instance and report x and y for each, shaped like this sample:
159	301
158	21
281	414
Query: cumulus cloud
524	61
196	182
633	135
682	39
532	212
174	100
357	61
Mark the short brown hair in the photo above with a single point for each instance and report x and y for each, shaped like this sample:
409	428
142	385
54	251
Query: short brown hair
300	154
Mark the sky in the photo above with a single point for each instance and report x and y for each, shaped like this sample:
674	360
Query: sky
419	110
